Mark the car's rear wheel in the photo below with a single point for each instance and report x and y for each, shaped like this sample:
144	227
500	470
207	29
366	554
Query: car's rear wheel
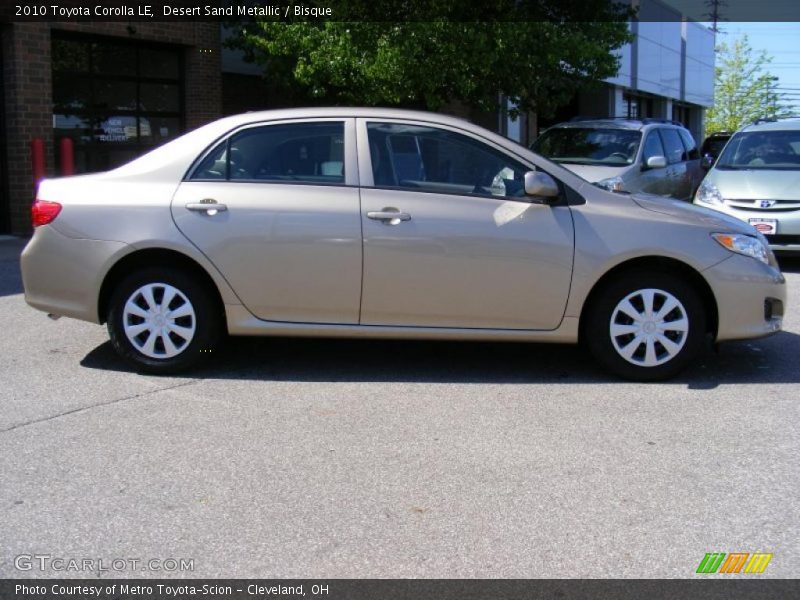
163	320
646	326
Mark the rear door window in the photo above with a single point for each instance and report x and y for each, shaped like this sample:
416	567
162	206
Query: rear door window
689	144
293	152
675	152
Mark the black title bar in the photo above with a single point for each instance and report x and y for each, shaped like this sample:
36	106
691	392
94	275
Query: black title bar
396	10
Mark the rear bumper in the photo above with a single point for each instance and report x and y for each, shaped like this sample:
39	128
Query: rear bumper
63	275
751	297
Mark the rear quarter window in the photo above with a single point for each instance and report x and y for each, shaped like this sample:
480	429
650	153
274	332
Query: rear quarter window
293	152
689	143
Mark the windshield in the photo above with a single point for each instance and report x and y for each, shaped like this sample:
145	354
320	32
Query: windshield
773	150
585	146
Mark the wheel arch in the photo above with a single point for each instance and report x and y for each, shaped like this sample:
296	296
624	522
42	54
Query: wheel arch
154	257
660	264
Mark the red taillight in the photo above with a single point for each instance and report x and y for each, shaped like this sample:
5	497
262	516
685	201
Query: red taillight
43	212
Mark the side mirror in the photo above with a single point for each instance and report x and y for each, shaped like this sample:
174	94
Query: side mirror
656	162
541	185
707	161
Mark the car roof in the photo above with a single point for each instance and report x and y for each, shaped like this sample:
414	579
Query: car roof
344	112
788	124
632	124
605	123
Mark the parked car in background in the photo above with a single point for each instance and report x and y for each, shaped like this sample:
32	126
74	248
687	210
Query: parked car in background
387	223
627	155
712	147
757	179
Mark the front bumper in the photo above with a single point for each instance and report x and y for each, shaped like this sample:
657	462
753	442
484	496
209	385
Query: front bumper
751	297
62	275
787	238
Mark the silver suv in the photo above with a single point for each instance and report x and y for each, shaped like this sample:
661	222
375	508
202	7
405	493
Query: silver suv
757	179
627	155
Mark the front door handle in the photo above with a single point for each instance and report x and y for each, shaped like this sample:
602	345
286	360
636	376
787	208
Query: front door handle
389	216
208	206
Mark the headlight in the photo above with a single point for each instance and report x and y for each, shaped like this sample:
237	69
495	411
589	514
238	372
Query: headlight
744	244
612	184
709	194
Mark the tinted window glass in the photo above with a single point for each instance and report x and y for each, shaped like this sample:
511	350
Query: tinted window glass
436	160
111	59
159	129
308	152
689	144
114	95
673	145
714	145
162	97
215	165
70	56
71	93
652	146
158	63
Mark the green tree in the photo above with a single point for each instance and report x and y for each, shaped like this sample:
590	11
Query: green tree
453	56
743	89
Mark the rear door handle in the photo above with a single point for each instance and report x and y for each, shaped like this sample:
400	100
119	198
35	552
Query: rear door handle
208	205
389	216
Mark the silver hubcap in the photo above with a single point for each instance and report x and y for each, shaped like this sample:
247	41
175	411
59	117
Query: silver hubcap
159	320
649	327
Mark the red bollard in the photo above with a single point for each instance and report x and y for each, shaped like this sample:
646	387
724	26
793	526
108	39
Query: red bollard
37	161
67	157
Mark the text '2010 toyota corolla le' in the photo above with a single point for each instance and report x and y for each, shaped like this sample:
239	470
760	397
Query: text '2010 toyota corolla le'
388	223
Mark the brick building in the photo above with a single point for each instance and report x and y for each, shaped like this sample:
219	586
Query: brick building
115	88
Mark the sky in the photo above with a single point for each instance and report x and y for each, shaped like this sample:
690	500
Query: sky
782	42
780	39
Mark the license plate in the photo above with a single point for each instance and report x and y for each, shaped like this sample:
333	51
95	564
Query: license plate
765	226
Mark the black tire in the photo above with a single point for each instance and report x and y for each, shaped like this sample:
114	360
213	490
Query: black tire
597	335
207	320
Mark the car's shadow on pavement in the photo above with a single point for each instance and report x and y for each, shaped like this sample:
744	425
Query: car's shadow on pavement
768	360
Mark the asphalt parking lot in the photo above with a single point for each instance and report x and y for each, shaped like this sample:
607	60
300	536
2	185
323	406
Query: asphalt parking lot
309	458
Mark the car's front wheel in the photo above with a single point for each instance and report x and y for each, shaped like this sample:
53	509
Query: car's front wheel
646	326
163	320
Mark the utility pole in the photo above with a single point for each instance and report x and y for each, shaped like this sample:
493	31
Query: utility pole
715	13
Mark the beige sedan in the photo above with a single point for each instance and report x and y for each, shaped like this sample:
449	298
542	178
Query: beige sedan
394	224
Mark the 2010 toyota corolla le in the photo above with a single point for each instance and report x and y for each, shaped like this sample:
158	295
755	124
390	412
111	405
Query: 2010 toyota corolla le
388	223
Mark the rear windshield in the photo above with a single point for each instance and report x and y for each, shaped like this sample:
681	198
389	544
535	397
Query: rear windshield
588	146
768	150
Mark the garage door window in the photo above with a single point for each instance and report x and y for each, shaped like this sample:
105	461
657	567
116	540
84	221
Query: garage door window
114	99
